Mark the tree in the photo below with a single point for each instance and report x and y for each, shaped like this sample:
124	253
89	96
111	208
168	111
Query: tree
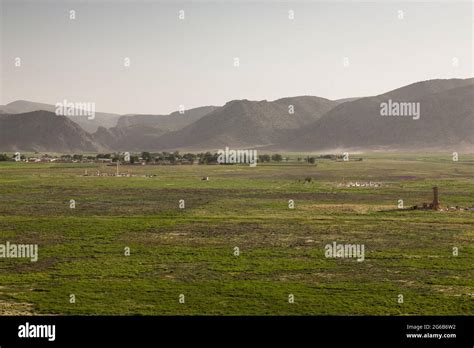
277	157
159	157
171	157
208	158
107	156
190	157
146	156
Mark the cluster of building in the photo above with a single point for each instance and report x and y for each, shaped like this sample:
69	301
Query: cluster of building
65	159
50	160
126	174
360	184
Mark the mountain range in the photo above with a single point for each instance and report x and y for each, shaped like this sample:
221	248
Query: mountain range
304	123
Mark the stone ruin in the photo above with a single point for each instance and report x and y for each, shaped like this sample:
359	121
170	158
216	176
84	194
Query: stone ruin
434	205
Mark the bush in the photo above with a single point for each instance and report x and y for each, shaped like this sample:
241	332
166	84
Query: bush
277	157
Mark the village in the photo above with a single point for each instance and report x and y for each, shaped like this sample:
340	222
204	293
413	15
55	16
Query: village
157	158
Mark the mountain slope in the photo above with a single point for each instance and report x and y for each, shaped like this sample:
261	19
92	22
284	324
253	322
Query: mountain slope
446	120
43	131
244	123
171	122
139	132
132	138
101	119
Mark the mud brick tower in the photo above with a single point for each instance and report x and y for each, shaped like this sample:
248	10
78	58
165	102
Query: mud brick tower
435	203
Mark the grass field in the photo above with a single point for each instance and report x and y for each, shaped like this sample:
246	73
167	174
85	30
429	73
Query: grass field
191	251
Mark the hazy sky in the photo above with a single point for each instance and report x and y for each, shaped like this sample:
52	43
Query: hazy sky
191	61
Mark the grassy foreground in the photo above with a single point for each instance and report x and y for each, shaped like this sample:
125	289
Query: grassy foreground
190	251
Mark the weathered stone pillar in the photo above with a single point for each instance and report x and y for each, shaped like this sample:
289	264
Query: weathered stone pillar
435	198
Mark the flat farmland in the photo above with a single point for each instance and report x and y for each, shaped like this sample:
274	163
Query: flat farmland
191	251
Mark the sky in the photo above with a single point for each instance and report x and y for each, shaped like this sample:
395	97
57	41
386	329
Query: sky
329	49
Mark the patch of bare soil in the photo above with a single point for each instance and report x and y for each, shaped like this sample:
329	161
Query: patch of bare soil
15	308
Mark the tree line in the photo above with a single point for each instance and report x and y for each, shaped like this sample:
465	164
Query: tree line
167	157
